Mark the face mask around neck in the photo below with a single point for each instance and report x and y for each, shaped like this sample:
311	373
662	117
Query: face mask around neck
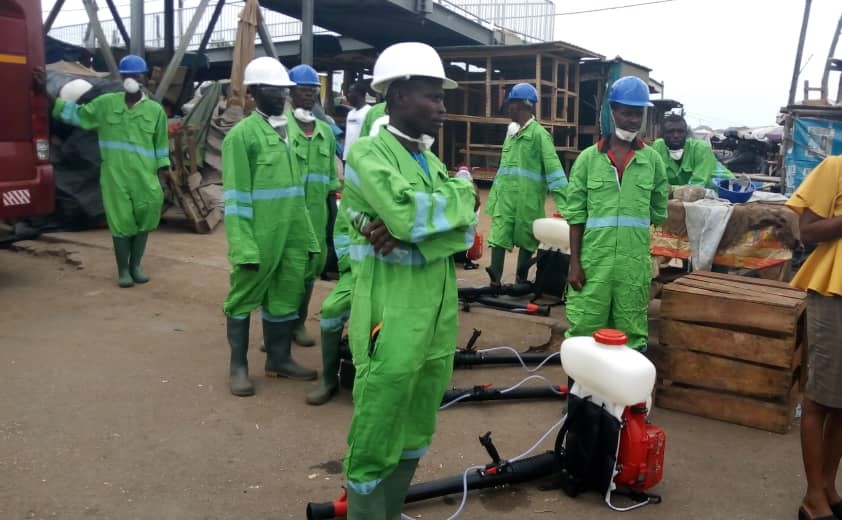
676	155
425	142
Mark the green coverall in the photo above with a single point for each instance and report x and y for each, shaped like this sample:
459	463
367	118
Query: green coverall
133	145
316	157
374	113
697	167
336	309
266	222
615	246
402	374
529	168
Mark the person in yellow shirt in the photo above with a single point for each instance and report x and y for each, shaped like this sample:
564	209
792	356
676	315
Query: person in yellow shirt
819	202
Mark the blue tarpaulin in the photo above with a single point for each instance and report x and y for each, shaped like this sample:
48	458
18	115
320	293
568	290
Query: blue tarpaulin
813	140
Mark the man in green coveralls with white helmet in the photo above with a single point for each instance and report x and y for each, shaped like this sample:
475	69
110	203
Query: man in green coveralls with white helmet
314	148
134	148
618	189
529	168
404	305
270	237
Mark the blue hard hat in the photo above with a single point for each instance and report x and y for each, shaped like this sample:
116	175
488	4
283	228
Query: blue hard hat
132	64
304	75
631	91
523	92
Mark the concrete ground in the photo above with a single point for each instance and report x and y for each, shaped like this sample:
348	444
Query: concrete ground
115	405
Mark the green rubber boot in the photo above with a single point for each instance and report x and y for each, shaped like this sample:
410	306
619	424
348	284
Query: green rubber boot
523	259
238	373
498	259
123	252
396	485
277	336
300	335
329	383
138	248
367	507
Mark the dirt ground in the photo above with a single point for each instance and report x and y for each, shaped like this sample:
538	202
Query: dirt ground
115	405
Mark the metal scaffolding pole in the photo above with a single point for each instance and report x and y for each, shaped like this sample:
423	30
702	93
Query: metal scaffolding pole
266	38
53	14
93	21
138	42
307	32
169	29
182	48
211	26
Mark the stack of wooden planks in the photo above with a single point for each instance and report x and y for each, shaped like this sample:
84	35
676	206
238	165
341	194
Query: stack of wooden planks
731	348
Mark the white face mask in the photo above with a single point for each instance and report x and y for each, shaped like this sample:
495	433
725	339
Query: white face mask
513	129
425	142
625	135
304	115
131	85
277	121
677	154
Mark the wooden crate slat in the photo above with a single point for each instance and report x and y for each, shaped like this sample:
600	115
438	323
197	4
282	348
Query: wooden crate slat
760	282
774	417
737	311
774	351
719	373
728	288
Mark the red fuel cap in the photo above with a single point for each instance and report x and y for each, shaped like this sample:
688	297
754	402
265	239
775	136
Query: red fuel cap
610	337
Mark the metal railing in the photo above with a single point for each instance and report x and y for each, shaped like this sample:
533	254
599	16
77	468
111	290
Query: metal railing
531	19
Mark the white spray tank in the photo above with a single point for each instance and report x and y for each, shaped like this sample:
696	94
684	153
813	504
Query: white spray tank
553	233
606	366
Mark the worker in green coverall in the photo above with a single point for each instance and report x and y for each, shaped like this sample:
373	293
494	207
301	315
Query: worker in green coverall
336	309
687	161
376	112
314	147
404	307
270	237
134	148
529	168
618	189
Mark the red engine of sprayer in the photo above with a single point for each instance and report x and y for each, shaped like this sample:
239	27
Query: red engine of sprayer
640	461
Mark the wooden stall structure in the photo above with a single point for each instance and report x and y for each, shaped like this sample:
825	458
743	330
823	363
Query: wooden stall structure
476	121
731	349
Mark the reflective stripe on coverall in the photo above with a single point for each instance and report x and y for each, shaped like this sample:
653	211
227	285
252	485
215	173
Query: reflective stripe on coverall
615	247
133	145
529	168
316	157
698	166
266	222
401	377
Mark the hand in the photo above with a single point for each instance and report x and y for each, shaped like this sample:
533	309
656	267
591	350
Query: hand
576	276
378	234
249	267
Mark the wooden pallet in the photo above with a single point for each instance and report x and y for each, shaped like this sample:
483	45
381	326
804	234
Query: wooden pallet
731	348
184	181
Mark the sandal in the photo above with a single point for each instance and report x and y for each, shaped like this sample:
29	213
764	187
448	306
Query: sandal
803	515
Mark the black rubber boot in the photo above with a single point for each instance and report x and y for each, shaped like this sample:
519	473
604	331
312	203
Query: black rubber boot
300	335
498	259
329	383
279	363
523	259
238	374
123	253
138	248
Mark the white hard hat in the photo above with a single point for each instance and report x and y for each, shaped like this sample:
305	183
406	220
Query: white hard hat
266	71
405	60
74	89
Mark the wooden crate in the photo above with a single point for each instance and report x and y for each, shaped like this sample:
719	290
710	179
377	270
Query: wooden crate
731	348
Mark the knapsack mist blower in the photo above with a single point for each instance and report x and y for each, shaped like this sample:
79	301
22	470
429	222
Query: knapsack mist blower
605	443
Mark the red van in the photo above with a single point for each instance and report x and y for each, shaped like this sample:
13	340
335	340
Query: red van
27	185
